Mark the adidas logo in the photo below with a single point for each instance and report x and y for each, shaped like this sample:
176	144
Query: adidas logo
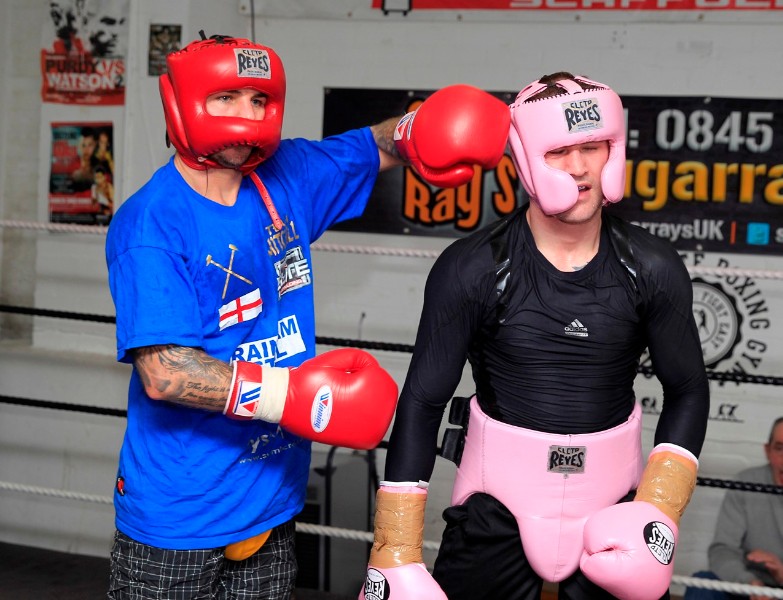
576	328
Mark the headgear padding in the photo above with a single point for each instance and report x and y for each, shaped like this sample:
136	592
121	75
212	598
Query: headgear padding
577	116
215	65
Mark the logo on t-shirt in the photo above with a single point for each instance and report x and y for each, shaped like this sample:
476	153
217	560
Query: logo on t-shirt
576	328
242	309
293	271
229	270
288	342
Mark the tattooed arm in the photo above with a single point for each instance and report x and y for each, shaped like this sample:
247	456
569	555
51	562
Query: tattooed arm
187	376
383	133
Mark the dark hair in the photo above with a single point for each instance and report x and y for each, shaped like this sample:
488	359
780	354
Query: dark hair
89	132
553	89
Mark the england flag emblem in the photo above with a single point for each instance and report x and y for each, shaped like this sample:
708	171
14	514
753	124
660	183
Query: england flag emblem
242	309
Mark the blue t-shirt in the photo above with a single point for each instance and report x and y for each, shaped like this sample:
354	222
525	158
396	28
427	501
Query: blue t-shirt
188	271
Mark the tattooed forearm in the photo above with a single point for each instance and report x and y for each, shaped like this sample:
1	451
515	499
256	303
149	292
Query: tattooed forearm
384	136
183	375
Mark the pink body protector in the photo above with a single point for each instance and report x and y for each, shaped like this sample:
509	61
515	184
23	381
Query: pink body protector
551	483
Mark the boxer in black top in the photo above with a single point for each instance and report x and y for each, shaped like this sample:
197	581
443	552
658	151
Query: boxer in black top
552	307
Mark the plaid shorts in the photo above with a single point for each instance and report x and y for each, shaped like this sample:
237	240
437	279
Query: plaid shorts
141	572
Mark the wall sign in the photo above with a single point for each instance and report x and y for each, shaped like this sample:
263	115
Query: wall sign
705	173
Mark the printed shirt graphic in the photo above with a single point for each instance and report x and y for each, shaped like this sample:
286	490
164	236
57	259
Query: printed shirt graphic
240	310
190	272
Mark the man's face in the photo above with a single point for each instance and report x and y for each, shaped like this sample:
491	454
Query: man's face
244	103
774	452
584	162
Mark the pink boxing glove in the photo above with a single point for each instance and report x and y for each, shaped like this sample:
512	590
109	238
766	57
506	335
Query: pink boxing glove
629	547
396	569
629	550
457	127
407	582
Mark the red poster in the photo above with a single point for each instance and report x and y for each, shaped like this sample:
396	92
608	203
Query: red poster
81	180
591	4
83	53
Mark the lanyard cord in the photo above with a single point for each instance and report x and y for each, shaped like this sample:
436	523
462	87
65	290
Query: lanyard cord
270	206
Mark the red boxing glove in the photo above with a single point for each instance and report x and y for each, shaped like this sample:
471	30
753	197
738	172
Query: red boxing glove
457	127
342	398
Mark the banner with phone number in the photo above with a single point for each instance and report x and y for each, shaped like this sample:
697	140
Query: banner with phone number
705	173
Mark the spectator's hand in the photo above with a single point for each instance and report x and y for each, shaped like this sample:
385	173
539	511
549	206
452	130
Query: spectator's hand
754	596
769	561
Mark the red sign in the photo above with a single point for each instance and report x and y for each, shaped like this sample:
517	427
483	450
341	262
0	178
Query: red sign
592	4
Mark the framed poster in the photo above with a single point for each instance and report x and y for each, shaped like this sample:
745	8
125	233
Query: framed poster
164	39
83	52
81	179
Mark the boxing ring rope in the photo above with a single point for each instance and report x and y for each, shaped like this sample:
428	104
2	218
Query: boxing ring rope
364	536
370	250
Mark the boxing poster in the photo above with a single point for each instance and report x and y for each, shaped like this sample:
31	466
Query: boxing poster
81	180
83	54
164	39
705	173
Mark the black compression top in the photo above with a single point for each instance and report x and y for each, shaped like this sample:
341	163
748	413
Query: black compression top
550	351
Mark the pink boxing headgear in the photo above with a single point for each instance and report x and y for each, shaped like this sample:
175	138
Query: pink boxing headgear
208	66
575	116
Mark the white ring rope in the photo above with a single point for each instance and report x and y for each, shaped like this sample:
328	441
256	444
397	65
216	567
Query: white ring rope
40	491
374	250
725	586
366	536
56	227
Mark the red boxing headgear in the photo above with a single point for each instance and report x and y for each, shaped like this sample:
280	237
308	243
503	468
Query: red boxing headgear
218	64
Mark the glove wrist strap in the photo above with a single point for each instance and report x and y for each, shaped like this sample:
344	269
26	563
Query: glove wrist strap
402	135
257	392
668	481
399	529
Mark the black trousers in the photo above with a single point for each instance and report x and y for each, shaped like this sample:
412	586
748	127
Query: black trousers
481	558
